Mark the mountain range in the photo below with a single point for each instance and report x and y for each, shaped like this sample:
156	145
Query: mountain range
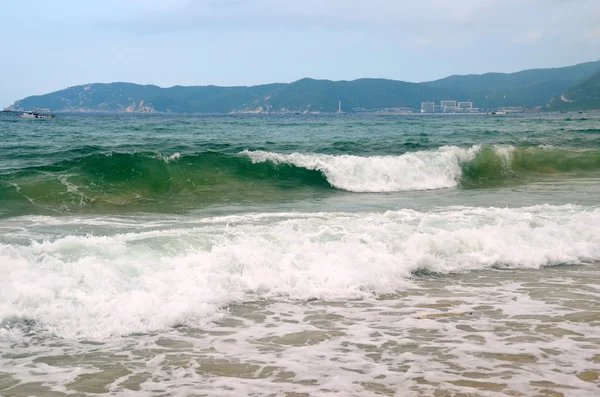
582	96
567	88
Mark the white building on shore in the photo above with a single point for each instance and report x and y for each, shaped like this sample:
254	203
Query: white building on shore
427	107
447	106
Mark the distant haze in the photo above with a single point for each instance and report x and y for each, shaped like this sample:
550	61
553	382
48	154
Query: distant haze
48	46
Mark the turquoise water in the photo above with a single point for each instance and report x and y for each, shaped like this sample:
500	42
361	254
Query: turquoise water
80	164
238	254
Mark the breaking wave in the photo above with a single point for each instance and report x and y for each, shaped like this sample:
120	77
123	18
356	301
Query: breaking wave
153	182
186	271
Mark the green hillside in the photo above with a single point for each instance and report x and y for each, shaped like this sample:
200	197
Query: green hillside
528	88
323	95
122	97
583	96
305	94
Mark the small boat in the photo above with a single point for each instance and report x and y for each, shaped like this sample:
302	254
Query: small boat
36	115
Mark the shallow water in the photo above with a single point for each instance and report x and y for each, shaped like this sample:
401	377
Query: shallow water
300	256
520	333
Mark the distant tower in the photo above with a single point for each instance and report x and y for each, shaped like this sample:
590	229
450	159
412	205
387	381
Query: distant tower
340	107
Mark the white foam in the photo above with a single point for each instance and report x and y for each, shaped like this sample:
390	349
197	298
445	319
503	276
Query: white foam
423	170
505	153
98	286
167	159
175	156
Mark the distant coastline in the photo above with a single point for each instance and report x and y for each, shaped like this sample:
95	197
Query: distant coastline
571	88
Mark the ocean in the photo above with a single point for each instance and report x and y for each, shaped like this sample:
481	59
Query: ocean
300	255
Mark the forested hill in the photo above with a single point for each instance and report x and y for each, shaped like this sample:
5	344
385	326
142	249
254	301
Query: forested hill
530	88
583	96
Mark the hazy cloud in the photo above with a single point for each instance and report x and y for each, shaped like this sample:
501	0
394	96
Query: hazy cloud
594	33
528	38
245	42
421	41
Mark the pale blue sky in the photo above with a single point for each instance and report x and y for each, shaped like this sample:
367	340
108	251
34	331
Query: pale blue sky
50	45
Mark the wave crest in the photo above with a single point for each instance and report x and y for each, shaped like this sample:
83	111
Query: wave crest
424	170
446	167
179	182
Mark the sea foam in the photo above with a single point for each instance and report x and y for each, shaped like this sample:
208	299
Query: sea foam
425	170
101	286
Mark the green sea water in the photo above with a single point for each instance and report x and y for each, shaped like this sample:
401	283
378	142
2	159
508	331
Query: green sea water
157	163
289	255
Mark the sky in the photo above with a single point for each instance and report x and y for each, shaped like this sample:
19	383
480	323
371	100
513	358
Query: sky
50	45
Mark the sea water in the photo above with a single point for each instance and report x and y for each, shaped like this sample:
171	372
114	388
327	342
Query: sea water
300	255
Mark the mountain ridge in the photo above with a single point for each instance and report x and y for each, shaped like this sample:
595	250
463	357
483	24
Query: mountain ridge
532	88
583	96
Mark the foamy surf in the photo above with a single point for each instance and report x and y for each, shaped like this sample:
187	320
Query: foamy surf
425	170
101	286
120	276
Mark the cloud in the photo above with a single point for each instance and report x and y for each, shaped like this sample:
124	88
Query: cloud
528	38
593	34
416	18
421	41
170	42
